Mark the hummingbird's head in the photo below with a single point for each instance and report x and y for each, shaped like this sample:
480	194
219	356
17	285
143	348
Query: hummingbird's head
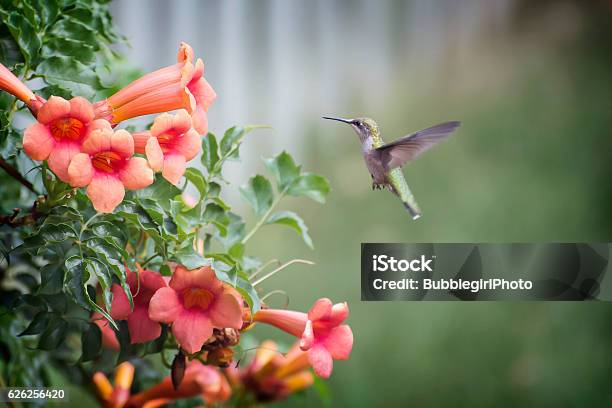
364	127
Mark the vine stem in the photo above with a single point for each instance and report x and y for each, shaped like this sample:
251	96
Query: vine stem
14	173
264	218
280	268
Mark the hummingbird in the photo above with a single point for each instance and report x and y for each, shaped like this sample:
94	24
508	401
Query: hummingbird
384	161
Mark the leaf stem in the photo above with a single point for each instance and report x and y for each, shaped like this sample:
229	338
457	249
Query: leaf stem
277	292
264	266
264	218
83	228
280	268
149	259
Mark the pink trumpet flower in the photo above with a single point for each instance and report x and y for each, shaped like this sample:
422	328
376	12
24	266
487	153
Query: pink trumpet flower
169	145
107	167
11	84
320	332
178	86
142	285
195	302
61	129
201	90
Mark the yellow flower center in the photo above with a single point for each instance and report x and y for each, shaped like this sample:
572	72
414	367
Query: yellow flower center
106	161
198	297
67	128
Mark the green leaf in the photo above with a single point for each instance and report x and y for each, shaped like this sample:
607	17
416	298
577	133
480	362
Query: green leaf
109	232
28	12
220	203
73	29
233	138
75	283
57	302
187	218
10	53
284	169
50	90
91	342
258	193
61	214
190	259
196	178
37	325
137	216
4	254
235	230
221	263
311	185
48	11
51	279
54	334
160	217
215	214
210	152
155	211
70	74
249	293
57	233
164	270
110	257
71	47
101	271
213	190
226	270
294	221
162	191
24	33
236	251
10	141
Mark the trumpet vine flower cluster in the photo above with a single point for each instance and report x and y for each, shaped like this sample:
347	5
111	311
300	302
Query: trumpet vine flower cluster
195	304
170	296
270	376
75	137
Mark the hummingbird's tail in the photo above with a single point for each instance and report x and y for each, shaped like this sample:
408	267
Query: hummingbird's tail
400	188
414	211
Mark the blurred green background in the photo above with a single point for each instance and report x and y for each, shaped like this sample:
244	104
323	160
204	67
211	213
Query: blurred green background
531	83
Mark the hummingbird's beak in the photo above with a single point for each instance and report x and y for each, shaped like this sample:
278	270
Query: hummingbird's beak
349	121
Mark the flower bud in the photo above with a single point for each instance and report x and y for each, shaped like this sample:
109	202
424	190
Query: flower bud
221	357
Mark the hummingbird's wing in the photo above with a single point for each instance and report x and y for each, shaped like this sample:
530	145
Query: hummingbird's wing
400	151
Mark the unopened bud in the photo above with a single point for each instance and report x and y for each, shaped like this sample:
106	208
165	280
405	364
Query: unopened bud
221	357
178	369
